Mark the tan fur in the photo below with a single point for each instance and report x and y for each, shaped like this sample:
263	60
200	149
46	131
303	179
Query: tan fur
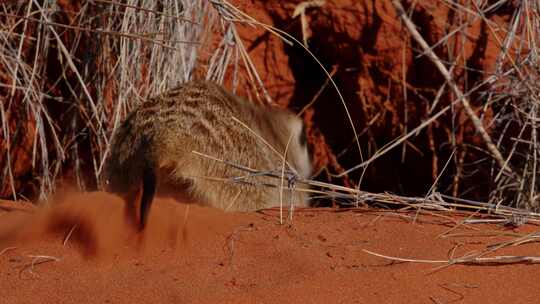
160	135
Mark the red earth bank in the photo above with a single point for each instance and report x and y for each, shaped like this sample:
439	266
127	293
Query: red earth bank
207	256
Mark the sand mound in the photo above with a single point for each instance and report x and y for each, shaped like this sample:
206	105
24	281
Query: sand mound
95	224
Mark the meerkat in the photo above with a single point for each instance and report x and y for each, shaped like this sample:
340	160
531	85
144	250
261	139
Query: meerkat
175	140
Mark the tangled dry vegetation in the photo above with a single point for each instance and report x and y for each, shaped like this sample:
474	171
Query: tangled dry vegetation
71	71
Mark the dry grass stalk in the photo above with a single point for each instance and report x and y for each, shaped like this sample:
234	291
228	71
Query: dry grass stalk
352	197
450	81
37	260
467	260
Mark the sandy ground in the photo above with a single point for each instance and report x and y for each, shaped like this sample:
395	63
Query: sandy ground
82	251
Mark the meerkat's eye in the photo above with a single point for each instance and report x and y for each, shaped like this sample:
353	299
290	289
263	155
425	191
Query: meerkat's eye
303	135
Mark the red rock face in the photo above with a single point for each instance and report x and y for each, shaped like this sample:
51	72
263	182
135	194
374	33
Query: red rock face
387	86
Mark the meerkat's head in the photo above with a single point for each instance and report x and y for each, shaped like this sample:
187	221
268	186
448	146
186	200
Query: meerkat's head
298	154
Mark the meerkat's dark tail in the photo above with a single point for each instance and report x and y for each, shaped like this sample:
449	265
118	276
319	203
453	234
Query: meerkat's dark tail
148	190
131	166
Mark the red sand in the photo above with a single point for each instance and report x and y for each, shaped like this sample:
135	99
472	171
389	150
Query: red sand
245	258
